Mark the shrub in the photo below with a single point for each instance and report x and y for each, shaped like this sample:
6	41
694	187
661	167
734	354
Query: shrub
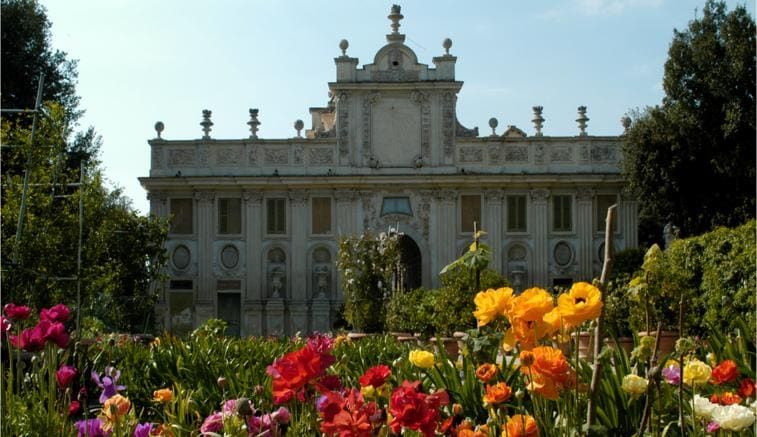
454	301
411	311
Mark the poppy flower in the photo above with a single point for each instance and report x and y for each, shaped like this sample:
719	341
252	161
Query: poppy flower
58	313
532	305
486	372
352	418
520	425
583	302
491	304
73	408
65	375
412	409
163	395
375	376
746	388
17	312
497	393
724	372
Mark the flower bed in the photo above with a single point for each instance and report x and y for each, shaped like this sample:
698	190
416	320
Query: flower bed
512	378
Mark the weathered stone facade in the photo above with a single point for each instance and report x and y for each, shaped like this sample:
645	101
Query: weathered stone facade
257	221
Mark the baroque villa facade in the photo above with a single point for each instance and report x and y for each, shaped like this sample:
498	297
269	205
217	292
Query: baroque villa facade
256	222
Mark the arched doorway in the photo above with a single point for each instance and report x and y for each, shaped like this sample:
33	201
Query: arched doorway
409	273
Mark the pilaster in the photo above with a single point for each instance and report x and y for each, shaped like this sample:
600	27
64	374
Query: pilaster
493	221
204	248
345	213
584	231
158	203
539	217
628	215
447	230
254	239
298	254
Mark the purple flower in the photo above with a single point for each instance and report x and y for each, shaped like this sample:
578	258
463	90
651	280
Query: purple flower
281	415
143	430
91	428
672	374
108	383
212	423
713	427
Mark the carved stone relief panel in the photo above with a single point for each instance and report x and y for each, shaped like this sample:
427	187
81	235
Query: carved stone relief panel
203	155
539	154
178	157
583	153
343	122
297	153
368	101
516	153
395	126
603	153
495	154
156	157
423	100
369	209
228	156
321	156
254	156
276	157
561	154
471	154
448	123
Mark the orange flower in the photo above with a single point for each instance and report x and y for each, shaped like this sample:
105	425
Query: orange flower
726	398
113	409
581	303
525	333
486	372
163	395
724	372
550	372
526	358
496	394
491	304
521	425
532	305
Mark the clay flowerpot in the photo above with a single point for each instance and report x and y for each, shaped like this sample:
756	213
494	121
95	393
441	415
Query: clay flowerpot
585	344
667	341
450	346
625	342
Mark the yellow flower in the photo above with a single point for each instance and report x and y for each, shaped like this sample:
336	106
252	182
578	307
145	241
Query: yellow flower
532	305
163	395
422	359
367	391
113	409
491	304
696	372
581	303
634	385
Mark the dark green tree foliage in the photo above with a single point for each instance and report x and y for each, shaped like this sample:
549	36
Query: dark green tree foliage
691	160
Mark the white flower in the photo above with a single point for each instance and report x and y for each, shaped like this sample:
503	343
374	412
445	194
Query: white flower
733	417
704	408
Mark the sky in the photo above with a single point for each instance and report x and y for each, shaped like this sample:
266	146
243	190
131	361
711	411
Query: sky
143	61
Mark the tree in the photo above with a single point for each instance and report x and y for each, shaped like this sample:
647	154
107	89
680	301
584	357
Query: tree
691	160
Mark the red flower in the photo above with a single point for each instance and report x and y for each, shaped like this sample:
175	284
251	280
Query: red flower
375	376
329	383
292	372
55	333
73	408
724	372
746	388
31	339
58	313
17	312
415	410
65	375
347	416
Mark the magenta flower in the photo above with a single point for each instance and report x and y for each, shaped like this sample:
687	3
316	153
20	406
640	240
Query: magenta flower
17	312
91	428
55	332
672	374
281	415
65	375
212	423
713	427
143	430
73	408
108	383
31	339
58	313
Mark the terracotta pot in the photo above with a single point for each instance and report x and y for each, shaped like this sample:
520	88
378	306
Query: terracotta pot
450	346
667	341
625	342
585	344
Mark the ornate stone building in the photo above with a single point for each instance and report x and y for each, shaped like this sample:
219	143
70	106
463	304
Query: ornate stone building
256	222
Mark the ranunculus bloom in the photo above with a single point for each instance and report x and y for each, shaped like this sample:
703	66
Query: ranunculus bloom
282	415
672	374
583	302
114	408
550	372
65	375
712	427
163	395
726	398
526	333
415	410
497	393
703	408
58	313
348	416
73	408
91	428
491	304
17	312
486	372
212	423
746	388
696	372
421	358
733	417
520	425
294	370
726	371
375	376
143	430
634	385
532	305
54	332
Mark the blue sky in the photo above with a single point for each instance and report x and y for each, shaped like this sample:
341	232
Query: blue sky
142	61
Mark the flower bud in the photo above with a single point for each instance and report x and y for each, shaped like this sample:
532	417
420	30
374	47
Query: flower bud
457	409
221	381
243	407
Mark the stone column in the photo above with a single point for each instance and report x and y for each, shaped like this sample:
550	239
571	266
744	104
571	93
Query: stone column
493	226
159	208
321	312
447	230
253	295
628	219
205	255
585	233
298	310
539	218
345	213
158	204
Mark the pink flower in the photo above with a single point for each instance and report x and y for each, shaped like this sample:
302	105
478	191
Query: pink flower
281	415
31	339
212	423
73	408
56	333
17	312
672	374
65	375
58	313
712	427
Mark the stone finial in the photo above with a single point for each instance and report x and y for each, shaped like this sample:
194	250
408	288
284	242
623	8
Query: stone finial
493	124
581	120
447	43
206	123
626	122
298	125
538	120
253	123
343	45
395	16
159	126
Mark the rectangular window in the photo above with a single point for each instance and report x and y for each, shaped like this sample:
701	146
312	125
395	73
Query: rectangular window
321	215
276	216
516	214
181	308
470	212
230	310
562	213
229	216
181	216
604	201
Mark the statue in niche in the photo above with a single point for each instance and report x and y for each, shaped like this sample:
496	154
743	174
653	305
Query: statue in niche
321	280
323	275
277	273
